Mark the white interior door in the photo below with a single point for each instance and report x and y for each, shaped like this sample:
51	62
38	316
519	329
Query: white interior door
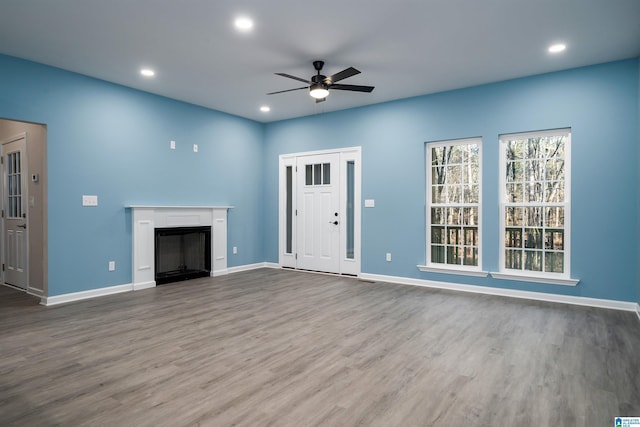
318	213
15	214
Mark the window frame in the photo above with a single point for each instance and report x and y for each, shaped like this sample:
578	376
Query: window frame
561	278
436	267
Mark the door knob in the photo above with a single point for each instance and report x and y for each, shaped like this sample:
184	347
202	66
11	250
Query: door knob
333	222
25	225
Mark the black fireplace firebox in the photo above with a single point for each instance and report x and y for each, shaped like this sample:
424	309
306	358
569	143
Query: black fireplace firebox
182	253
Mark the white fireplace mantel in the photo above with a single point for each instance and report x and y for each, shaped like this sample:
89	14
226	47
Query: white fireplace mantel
145	219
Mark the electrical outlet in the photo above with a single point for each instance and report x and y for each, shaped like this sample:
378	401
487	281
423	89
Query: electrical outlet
89	200
172	145
388	257
195	148
235	250
112	266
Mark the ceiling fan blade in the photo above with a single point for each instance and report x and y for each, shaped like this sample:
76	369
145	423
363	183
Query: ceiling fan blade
355	88
342	75
320	100
288	90
293	77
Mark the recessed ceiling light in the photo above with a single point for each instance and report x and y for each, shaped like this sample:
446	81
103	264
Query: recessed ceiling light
265	109
243	23
557	48
147	72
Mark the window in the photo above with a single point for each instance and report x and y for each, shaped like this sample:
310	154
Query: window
453	205
535	183
14	185
318	174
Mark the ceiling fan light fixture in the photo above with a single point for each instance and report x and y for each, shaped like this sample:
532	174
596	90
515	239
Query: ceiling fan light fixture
318	90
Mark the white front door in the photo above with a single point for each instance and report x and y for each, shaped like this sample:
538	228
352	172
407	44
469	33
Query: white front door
15	213
318	212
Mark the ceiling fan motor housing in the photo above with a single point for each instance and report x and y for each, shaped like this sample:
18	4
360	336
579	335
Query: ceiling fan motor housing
318	79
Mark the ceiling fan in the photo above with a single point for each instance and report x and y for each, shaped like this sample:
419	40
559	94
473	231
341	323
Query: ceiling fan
320	85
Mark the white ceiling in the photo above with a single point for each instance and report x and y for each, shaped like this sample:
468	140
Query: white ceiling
403	47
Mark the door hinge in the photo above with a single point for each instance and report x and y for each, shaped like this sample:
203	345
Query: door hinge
2	160
296	212
2	267
2	213
3	264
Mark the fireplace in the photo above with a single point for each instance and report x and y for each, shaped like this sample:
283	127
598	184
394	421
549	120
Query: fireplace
147	219
182	253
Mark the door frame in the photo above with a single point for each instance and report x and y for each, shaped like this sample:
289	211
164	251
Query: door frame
3	207
348	266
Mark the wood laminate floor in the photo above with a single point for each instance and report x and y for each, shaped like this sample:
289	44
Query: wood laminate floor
283	348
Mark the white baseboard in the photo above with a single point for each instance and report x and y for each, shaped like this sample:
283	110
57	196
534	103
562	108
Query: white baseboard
248	267
217	273
92	293
144	285
513	293
638	310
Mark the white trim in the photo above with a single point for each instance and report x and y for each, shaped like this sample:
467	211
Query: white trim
246	267
79	296
535	133
221	272
475	273
512	293
317	152
535	279
638	310
110	290
249	267
272	265
173	206
144	285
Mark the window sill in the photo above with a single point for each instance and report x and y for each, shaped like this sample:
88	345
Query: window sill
535	279
441	270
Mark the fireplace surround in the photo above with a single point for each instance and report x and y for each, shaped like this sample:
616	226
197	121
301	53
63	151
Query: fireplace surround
146	219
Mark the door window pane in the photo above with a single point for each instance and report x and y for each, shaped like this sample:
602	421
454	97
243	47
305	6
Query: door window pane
326	173
289	211
317	174
308	173
350	215
14	185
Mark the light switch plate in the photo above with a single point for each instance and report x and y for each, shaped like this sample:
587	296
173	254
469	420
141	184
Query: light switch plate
369	203
172	145
112	266
195	148
89	200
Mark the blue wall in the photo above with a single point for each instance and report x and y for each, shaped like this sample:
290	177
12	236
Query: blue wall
600	105
112	141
